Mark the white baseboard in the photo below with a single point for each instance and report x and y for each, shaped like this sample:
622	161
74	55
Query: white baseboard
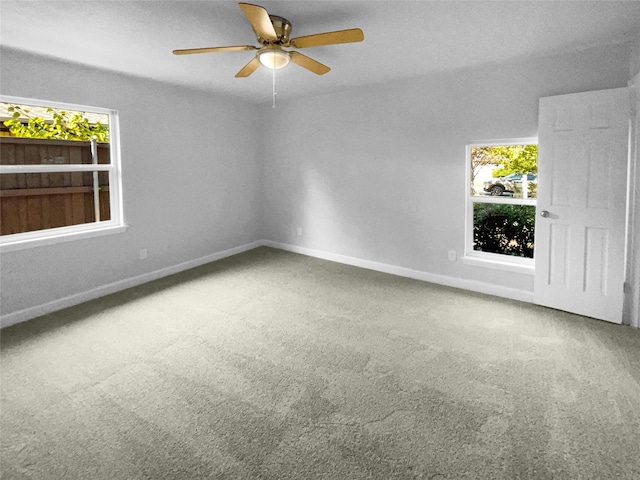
472	285
32	312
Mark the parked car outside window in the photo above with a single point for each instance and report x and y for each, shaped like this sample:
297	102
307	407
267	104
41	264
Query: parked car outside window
506	185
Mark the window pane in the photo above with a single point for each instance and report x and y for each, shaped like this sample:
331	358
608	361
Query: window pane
505	171
45	138
39	201
504	229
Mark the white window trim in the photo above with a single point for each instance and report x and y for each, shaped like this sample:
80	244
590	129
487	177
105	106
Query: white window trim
116	224
486	259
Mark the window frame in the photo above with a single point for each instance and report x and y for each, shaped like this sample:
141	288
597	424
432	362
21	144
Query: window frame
488	259
116	224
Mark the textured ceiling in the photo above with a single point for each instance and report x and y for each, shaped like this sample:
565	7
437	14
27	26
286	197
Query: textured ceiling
402	38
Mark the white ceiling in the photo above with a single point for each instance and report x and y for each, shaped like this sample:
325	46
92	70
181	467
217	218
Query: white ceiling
402	38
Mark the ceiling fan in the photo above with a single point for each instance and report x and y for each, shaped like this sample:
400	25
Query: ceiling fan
272	32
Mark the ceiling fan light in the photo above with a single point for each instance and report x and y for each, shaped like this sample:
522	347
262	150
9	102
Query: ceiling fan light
274	59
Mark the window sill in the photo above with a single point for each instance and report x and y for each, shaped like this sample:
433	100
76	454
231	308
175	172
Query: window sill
59	237
528	269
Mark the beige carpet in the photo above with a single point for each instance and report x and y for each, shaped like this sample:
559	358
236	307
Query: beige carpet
271	365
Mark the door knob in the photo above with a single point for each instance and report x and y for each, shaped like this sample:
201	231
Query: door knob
544	213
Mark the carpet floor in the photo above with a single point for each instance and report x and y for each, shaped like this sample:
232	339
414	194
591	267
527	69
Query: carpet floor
272	365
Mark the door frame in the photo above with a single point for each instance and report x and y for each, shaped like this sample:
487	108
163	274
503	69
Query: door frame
632	290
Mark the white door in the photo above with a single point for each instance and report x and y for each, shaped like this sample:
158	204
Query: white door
583	142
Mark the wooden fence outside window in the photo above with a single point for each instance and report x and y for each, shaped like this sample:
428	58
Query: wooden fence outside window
38	201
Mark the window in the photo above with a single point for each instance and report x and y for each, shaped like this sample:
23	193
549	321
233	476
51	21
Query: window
501	203
59	172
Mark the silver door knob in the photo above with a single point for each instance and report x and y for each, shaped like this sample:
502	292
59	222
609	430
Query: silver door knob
544	213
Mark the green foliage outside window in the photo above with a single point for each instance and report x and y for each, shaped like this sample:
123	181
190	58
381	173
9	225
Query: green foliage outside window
510	159
514	159
63	126
503	228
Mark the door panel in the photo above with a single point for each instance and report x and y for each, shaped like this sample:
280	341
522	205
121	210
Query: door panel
582	172
558	265
598	175
596	259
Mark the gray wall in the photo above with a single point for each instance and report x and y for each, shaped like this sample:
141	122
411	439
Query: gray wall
379	173
190	180
375	173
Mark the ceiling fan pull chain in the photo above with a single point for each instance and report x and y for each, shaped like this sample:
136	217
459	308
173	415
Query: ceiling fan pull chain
274	88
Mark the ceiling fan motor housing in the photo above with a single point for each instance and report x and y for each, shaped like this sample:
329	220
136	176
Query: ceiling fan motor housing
282	26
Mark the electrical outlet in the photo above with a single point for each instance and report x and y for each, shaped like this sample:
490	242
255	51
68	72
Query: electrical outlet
452	255
299	231
143	253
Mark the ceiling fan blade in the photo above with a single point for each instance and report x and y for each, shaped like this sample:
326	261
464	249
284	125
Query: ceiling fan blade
308	63
260	21
249	68
329	38
238	48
